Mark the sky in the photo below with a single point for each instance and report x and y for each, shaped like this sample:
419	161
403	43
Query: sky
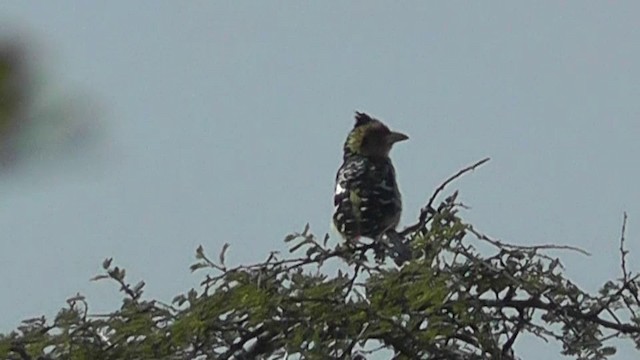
224	121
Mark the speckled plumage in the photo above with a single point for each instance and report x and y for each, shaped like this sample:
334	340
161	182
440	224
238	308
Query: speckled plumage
367	200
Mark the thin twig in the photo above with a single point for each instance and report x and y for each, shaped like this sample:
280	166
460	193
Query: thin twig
422	220
501	244
536	303
506	348
356	272
623	252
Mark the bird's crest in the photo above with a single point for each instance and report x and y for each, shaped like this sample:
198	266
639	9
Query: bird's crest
363	119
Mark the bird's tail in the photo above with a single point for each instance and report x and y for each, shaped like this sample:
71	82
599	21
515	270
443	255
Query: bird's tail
401	250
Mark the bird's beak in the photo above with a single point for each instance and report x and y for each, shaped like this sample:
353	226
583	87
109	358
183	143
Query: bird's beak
394	137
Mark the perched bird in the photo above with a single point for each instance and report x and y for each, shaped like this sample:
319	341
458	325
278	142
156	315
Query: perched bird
367	200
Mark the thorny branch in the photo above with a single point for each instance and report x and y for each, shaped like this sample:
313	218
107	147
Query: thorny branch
428	209
500	244
449	302
558	308
623	252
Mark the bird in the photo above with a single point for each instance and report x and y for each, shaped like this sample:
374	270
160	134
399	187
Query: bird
367	200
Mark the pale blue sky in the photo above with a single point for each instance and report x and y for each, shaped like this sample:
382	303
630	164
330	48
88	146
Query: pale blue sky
224	122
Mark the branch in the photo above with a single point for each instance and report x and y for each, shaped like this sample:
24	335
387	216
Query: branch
623	252
535	303
428	209
501	244
506	348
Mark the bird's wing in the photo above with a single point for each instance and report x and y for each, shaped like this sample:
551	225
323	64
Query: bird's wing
351	175
366	197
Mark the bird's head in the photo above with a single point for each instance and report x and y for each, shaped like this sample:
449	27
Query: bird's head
370	137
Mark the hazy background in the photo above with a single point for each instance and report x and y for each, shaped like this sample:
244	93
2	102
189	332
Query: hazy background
215	122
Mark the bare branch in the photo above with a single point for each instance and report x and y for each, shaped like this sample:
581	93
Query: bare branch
501	244
539	304
428	209
623	252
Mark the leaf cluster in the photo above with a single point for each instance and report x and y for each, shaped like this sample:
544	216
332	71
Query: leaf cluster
347	301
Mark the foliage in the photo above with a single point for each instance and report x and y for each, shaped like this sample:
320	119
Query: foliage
450	302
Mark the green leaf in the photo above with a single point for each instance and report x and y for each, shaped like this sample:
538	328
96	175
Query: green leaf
290	237
200	253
